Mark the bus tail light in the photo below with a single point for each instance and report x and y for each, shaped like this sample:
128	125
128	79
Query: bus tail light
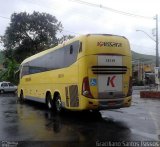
130	87
86	88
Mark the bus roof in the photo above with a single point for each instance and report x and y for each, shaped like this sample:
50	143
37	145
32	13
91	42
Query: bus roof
61	45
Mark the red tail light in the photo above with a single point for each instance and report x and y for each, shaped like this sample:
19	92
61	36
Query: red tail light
86	88
130	87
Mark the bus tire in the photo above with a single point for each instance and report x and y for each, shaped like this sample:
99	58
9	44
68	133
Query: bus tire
58	103
95	110
49	101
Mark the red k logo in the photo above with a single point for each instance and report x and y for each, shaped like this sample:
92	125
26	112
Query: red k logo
110	81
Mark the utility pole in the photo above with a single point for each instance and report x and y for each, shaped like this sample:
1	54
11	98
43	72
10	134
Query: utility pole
157	42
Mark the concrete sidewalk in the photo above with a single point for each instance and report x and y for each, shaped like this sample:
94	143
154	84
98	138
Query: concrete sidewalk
147	87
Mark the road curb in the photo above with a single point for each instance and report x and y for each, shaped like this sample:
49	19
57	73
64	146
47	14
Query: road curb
150	94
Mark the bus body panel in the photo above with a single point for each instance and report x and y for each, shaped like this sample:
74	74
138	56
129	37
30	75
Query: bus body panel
106	91
98	53
36	85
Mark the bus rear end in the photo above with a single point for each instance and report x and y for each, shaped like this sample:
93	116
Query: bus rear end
105	72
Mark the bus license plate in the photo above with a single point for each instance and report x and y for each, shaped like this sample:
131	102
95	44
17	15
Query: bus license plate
111	104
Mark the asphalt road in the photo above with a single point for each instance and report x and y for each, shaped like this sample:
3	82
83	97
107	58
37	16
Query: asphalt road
31	124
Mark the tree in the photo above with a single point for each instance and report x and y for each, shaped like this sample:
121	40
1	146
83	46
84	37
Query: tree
8	74
29	34
65	38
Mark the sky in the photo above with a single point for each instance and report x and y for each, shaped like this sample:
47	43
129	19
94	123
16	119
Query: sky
80	18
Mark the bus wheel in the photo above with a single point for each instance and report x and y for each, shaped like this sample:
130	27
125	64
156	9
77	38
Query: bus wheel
58	104
49	101
96	111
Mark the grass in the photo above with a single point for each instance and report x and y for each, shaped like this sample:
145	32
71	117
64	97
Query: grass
148	59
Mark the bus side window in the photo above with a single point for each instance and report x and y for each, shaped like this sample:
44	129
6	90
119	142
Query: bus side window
71	49
80	47
25	71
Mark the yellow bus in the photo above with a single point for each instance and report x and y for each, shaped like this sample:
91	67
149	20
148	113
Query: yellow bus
89	72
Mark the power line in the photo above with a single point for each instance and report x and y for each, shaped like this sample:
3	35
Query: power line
99	6
93	5
4	17
62	30
111	9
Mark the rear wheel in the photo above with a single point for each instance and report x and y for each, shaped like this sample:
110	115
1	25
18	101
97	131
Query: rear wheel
95	111
58	104
49	102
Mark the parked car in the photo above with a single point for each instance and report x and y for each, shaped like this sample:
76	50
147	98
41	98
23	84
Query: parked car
7	87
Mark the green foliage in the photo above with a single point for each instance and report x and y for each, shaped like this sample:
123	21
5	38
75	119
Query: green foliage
1	57
8	74
65	38
148	59
29	34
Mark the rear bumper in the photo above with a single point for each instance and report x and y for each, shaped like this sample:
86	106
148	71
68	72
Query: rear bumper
103	104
